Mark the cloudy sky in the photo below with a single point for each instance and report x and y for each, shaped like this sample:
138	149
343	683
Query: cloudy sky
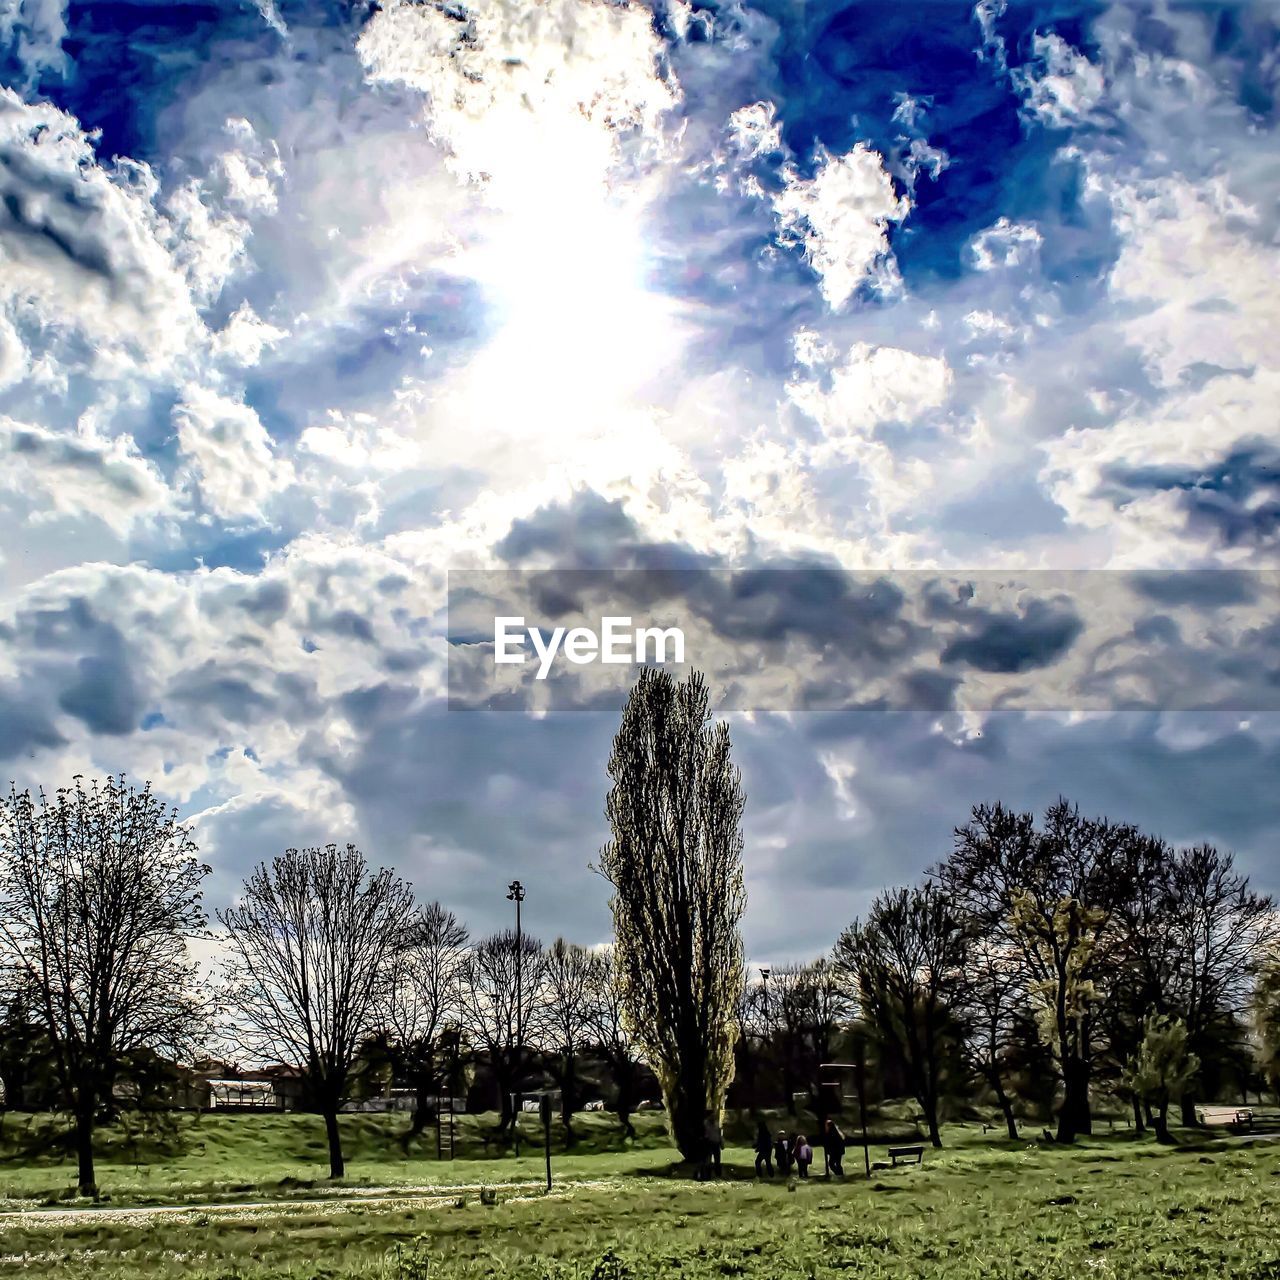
305	305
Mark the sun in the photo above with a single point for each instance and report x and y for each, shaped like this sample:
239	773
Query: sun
563	262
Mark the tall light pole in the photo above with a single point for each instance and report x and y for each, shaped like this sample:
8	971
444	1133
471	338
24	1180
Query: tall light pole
765	971
515	893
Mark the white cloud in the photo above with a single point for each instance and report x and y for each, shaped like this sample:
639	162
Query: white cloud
37	28
1060	86
840	216
80	474
520	92
875	385
13	354
85	244
1197	275
1005	244
754	130
244	337
1187	433
230	455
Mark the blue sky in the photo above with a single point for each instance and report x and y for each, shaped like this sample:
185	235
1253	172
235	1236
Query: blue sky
303	306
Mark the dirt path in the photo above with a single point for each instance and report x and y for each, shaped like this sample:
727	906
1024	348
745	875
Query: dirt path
338	1201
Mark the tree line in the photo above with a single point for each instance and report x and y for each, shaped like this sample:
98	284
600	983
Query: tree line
1037	962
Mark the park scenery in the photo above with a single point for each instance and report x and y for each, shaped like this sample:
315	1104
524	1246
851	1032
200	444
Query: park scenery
640	639
1057	1052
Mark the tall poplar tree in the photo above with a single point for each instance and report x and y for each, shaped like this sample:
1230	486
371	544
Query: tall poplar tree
675	863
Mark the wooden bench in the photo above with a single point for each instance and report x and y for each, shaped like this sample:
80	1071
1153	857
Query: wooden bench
906	1153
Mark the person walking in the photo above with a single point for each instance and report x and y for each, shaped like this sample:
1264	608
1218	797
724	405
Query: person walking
715	1143
763	1149
833	1143
782	1152
803	1153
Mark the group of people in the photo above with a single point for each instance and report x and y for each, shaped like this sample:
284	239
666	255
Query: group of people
788	1152
796	1151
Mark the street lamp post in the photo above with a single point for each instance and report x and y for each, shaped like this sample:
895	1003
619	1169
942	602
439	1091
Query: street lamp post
515	893
765	971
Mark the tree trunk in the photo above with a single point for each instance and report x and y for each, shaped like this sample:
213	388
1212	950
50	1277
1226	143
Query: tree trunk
1006	1107
337	1167
1075	1101
624	1119
1187	1106
929	1107
1162	1121
506	1104
624	1102
930	1110
568	1098
424	1111
1138	1125
685	1098
85	1179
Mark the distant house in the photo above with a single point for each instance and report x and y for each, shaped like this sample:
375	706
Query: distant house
275	1087
288	1083
242	1095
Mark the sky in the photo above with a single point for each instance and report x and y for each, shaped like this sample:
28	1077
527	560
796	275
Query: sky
961	317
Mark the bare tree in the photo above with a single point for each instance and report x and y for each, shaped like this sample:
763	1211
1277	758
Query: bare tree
807	1007
498	1012
99	891
313	937
1221	931
993	996
675	863
569	985
906	963
752	1052
422	1001
609	1036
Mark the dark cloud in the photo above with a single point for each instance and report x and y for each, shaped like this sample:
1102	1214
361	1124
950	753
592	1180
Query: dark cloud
1015	642
104	696
219	689
812	636
1198	588
266	603
462	800
25	728
72	649
590	531
1235	502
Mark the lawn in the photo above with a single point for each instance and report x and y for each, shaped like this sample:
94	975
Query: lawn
1114	1205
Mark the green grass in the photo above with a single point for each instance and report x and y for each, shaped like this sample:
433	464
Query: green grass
1112	1206
244	1156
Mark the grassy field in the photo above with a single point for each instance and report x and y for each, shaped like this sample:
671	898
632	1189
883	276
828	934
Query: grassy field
1111	1206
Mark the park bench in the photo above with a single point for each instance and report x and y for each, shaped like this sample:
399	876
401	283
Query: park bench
906	1153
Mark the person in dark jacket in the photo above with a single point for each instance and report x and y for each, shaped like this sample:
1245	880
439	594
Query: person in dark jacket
833	1143
763	1149
714	1144
782	1152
